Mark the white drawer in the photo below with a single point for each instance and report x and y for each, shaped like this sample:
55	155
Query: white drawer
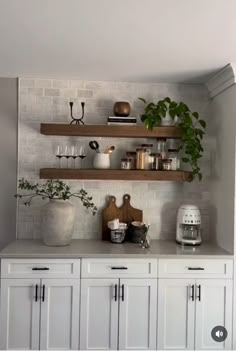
132	268
42	268
196	268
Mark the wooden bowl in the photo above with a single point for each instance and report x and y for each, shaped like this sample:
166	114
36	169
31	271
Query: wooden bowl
121	109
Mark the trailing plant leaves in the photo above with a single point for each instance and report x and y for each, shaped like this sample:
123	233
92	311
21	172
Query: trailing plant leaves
192	128
142	99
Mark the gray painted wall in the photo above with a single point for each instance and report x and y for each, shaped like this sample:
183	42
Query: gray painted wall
8	158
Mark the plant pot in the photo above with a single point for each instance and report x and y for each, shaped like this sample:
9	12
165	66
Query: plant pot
57	218
121	109
168	121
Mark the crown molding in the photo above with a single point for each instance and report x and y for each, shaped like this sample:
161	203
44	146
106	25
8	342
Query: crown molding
222	80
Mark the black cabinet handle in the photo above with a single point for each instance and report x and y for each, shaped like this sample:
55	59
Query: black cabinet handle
36	293
122	292
121	268
115	297
40	269
192	292
43	293
199	292
196	268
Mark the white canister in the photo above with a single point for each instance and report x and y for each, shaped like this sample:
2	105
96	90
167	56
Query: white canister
101	161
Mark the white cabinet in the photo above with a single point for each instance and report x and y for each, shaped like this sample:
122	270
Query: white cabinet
39	313
176	314
137	314
118	314
59	322
189	309
20	314
99	314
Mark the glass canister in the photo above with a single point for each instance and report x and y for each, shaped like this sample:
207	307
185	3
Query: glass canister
161	148
140	158
126	163
148	158
156	161
173	155
166	164
132	156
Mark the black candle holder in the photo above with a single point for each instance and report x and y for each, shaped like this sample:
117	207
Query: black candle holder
76	120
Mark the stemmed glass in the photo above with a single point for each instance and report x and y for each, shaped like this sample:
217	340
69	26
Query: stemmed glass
74	154
82	152
67	155
59	154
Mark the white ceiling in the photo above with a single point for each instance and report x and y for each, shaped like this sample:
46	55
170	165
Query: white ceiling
125	40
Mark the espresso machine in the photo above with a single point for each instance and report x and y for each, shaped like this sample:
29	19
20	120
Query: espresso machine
188	229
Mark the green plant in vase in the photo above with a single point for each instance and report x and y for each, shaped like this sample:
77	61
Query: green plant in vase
192	128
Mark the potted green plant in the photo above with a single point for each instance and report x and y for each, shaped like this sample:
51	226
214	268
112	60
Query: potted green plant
58	215
192	128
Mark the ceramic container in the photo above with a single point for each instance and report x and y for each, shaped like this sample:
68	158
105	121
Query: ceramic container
101	161
57	222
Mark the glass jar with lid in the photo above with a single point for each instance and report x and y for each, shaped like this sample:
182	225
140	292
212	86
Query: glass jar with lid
161	148
173	155
140	158
148	158
126	163
132	156
166	164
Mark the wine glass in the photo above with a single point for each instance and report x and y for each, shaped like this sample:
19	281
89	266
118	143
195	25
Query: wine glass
82	152
59	154
67	155
74	154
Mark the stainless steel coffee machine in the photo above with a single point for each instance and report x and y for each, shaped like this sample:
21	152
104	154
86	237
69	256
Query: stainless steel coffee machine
189	231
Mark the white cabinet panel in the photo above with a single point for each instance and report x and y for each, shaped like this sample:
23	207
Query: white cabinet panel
138	313
118	267
42	268
195	268
213	308
20	314
59	314
176	310
99	314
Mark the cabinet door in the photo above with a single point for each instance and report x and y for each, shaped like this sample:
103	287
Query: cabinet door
138	314
59	327
99	314
176	309
213	308
20	314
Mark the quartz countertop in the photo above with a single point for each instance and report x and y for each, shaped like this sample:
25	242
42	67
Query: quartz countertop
104	249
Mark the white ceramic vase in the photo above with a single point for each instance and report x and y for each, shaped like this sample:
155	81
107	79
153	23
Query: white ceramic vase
57	221
168	121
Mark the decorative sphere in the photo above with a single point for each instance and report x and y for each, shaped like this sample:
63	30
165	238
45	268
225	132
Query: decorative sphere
122	109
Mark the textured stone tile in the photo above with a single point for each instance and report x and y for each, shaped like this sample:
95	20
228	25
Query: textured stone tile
51	92
43	83
84	93
35	91
27	83
60	83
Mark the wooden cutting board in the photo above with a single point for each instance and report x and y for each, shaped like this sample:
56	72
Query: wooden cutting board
126	213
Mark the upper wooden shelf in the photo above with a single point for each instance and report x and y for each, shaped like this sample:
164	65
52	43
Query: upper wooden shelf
137	131
114	174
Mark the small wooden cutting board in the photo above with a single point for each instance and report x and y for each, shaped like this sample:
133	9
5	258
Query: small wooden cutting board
126	213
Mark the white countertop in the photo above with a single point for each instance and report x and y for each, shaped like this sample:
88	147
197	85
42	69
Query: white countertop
98	248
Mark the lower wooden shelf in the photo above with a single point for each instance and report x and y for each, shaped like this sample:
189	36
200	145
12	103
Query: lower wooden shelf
114	174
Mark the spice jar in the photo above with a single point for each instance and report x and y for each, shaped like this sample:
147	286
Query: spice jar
174	156
166	164
156	161
148	159
161	148
126	163
140	158
132	156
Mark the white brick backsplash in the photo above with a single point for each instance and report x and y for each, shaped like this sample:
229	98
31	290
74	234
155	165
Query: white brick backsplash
51	92
47	100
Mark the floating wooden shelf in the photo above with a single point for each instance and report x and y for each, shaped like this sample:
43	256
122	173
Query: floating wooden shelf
113	174
137	131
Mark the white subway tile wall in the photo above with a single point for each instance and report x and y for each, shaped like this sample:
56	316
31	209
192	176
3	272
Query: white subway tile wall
47	100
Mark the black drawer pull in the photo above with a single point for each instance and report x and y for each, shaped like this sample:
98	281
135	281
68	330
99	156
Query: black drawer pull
121	268
192	292
43	294
196	269
40	269
36	293
116	289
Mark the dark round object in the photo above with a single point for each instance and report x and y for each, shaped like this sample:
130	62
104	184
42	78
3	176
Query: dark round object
121	109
